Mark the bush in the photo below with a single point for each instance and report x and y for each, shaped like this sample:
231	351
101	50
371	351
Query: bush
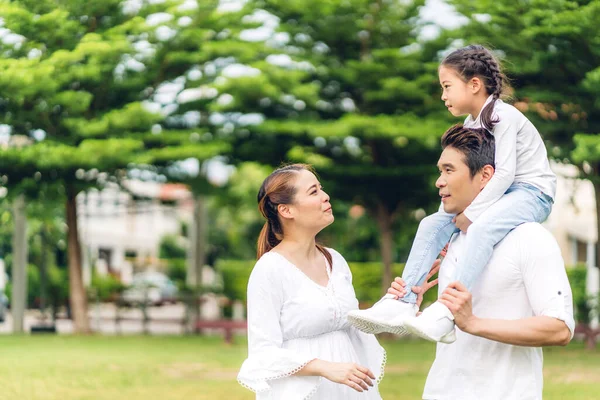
171	247
581	301
177	271
106	287
235	275
57	286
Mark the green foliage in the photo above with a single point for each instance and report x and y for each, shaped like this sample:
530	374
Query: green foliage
176	271
105	288
587	149
582	302
235	277
171	247
56	287
366	279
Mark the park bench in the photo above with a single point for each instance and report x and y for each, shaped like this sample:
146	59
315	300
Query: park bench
225	324
589	334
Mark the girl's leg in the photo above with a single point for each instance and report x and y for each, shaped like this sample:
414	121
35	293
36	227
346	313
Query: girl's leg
434	232
388	314
522	203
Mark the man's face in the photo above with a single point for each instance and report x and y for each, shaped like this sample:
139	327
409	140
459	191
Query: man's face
456	186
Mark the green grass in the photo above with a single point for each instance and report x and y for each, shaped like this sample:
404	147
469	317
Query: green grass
180	368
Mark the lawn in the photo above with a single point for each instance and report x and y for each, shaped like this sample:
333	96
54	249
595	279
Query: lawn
180	368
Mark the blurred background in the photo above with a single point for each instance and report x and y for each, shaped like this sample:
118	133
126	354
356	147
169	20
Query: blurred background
134	135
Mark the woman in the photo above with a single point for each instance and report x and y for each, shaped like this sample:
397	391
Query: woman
300	345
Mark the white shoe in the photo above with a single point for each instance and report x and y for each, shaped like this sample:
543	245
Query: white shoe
436	323
378	318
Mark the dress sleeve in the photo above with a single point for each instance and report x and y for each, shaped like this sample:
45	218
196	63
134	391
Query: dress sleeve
268	362
367	348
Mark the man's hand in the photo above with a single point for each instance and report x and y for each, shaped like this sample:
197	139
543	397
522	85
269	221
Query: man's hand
462	222
398	288
458	299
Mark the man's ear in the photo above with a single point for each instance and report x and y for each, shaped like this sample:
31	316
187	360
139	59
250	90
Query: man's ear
476	85
285	211
487	172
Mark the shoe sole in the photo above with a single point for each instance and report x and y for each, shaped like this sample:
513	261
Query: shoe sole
448	338
374	327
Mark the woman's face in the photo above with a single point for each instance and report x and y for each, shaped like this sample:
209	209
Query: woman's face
311	208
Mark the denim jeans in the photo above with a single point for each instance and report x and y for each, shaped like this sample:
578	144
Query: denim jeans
521	203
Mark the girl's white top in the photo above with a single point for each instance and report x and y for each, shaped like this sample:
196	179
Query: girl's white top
292	320
520	157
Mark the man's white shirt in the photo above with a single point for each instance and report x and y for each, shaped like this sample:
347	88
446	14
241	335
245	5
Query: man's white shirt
525	277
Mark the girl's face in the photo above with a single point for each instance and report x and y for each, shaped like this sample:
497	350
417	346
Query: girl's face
458	96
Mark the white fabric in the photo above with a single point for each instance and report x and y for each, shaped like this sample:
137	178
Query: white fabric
520	157
525	277
292	320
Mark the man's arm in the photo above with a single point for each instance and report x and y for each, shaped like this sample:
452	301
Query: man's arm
533	331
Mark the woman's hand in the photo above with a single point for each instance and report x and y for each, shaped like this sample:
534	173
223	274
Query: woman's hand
356	376
398	288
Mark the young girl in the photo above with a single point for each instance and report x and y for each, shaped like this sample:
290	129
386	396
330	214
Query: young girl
522	190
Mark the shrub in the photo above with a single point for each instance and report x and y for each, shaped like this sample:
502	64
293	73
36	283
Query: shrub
106	287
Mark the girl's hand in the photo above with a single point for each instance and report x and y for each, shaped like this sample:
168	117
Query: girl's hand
420	290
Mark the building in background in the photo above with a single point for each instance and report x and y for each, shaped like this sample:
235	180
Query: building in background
121	227
573	223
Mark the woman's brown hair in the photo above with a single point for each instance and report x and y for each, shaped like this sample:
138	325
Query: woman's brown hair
278	188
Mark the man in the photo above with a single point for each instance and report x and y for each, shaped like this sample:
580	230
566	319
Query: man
522	300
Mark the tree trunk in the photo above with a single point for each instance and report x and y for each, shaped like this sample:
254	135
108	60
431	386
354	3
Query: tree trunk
597	192
197	249
19	267
77	295
43	270
197	257
384	221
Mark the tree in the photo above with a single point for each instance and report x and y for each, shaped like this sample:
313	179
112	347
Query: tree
72	86
353	93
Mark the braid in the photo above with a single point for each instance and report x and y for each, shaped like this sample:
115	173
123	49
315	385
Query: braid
477	61
494	78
